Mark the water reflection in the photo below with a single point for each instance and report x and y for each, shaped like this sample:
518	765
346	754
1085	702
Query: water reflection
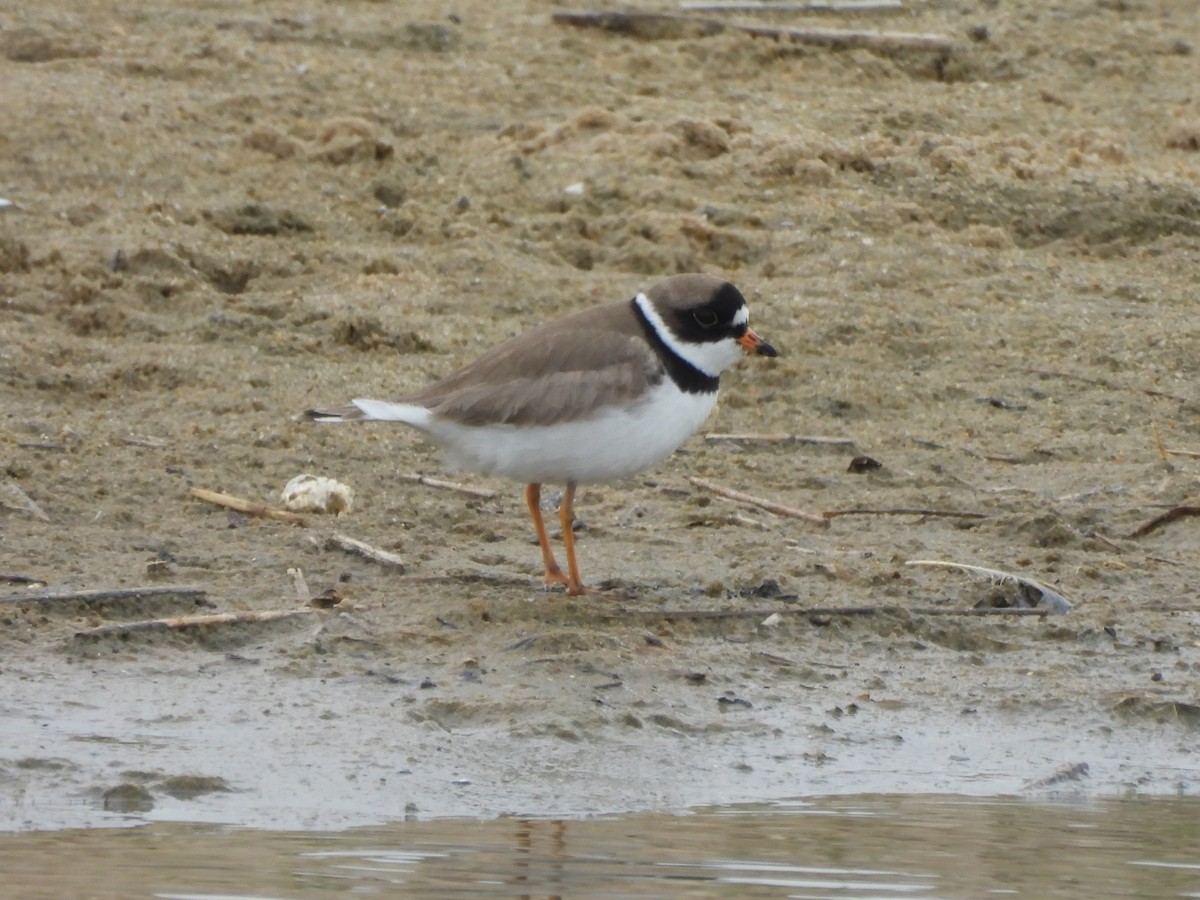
835	847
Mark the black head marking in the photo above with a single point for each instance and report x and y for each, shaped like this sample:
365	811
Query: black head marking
708	319
694	309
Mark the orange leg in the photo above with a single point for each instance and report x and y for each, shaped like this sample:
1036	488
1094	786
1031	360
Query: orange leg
566	516
554	575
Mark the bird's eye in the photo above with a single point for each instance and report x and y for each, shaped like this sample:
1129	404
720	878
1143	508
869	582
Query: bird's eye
705	318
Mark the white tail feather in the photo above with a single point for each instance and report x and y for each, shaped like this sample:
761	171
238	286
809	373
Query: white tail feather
383	411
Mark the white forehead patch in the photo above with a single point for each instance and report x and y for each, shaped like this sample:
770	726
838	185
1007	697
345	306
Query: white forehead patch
711	358
742	317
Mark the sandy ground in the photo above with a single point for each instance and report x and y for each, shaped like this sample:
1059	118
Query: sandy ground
980	269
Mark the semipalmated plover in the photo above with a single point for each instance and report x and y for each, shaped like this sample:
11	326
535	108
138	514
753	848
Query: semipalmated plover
591	397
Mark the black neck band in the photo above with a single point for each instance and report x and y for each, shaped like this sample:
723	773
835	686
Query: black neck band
687	377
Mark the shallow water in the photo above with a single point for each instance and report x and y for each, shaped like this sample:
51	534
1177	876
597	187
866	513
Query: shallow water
833	847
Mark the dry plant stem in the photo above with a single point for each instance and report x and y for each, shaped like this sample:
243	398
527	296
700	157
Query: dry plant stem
848	39
820	611
365	550
137	440
1190	454
657	25
777	508
994	457
300	585
449	486
905	511
1179	512
183	622
248	507
751	438
19	501
1158	444
185	592
809	6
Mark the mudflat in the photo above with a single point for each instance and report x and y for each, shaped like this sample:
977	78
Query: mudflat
979	266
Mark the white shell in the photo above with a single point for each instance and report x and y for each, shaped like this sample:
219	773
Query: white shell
317	494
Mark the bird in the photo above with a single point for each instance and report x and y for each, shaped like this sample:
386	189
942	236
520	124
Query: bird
594	396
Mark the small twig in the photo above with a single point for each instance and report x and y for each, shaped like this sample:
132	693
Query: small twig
731	519
300	585
777	508
248	507
849	39
752	438
664	25
1190	454
186	592
820	611
1162	451
807	6
177	623
845	554
137	440
359	548
746	520
905	511
994	457
1074	772
19	501
1044	598
1097	536
449	486
1179	512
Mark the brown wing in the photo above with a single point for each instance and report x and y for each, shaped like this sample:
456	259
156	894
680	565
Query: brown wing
563	370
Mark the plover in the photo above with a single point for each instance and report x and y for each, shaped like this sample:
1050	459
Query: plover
591	397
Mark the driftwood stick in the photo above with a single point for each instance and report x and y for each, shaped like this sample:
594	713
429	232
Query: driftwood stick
820	611
188	593
178	623
365	550
141	440
847	39
777	508
249	507
905	511
665	25
752	438
449	486
1179	512
809	6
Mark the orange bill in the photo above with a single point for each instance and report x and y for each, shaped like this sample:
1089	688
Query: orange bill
752	343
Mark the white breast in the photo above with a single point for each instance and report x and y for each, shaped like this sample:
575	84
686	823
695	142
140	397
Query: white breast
615	443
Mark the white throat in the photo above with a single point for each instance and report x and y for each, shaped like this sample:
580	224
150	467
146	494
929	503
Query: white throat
711	358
